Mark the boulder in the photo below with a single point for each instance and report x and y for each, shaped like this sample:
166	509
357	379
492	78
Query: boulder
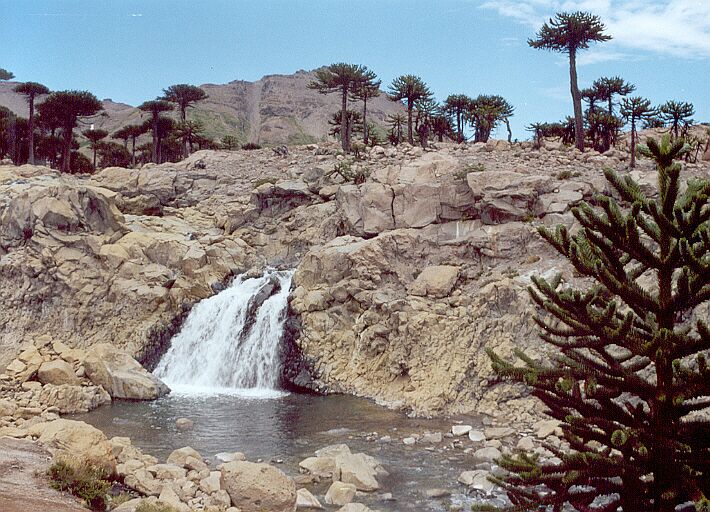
121	375
7	407
340	493
435	281
461	430
75	440
306	500
354	468
254	487
506	196
187	457
477	479
57	372
70	399
354	507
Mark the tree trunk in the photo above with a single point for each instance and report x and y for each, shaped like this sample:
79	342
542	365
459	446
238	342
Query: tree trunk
633	142
410	135
611	108
185	142
576	101
31	126
510	132
155	138
344	140
133	152
364	119
458	125
94	148
66	147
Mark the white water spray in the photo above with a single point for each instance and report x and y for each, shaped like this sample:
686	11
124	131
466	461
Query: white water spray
229	342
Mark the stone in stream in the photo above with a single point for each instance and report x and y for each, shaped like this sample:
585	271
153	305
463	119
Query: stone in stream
499	432
323	467
187	457
340	493
409	441
229	457
434	437
184	424
437	493
477	479
358	470
304	499
354	507
489	454
476	436
461	430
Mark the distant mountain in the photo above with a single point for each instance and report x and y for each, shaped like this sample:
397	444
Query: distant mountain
277	109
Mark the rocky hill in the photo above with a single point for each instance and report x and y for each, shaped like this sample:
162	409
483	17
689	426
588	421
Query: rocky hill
401	282
277	109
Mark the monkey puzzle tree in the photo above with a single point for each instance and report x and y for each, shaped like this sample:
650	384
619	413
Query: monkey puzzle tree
367	89
456	106
410	89
441	127
345	79
155	108
568	33
606	88
131	131
95	137
6	75
184	96
66	107
633	110
678	114
31	90
631	373
485	112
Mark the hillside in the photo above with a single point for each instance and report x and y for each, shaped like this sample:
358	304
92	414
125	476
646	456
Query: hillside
277	109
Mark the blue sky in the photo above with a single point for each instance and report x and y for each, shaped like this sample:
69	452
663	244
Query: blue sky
129	50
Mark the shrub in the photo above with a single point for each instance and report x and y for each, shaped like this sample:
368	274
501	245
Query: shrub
564	175
249	146
80	164
83	480
262	181
154	507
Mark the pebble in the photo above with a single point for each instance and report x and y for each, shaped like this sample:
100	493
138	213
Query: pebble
437	493
461	430
409	441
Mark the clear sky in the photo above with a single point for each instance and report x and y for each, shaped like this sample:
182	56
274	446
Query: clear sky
129	50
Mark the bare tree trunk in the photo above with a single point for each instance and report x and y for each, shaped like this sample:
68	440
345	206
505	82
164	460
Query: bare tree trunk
410	135
66	147
576	101
185	143
633	142
155	139
344	140
510	132
31	126
133	152
364	119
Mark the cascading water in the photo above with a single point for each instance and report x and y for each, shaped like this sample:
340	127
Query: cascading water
230	342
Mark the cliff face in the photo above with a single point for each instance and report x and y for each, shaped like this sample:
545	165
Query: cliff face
401	282
277	109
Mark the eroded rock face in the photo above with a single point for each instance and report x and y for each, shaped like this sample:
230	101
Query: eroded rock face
121	375
254	487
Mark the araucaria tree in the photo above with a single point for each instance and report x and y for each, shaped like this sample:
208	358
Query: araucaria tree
6	75
569	33
131	131
678	114
67	107
155	108
631	372
184	96
456	106
95	137
369	88
633	110
410	89
344	79
31	90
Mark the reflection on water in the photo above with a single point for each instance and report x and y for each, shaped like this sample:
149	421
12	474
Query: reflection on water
289	428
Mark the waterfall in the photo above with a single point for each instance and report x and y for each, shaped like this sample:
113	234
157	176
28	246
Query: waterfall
230	342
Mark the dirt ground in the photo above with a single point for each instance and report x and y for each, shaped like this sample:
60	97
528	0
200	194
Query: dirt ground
23	486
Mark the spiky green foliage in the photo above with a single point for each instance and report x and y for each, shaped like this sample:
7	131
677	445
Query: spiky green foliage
345	79
184	96
568	33
485	112
633	110
410	89
31	90
456	106
608	87
364	91
396	124
678	114
631	374
155	108
95	136
6	75
131	131
64	108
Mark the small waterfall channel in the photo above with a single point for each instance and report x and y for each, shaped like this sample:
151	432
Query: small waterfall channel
230	342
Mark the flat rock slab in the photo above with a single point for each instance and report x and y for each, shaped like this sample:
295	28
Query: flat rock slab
22	484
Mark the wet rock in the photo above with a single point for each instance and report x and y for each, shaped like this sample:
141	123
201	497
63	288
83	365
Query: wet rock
355	469
461	430
435	437
230	457
477	479
476	436
323	467
437	493
409	441
184	424
498	432
354	507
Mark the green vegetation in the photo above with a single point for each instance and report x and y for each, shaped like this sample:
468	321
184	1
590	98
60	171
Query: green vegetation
155	108
131	131
154	507
6	75
410	89
633	110
678	114
367	89
83	480
349	173
184	96
31	90
631	368
345	79
568	33
249	146
95	137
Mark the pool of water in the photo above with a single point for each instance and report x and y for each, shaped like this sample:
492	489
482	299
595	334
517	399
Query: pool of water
284	429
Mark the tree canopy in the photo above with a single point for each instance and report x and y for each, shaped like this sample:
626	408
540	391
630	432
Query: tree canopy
409	89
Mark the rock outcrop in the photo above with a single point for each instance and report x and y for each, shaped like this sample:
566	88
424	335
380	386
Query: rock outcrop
254	487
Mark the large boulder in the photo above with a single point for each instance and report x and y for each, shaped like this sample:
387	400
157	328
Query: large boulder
255	487
57	372
435	281
75	440
506	196
121	375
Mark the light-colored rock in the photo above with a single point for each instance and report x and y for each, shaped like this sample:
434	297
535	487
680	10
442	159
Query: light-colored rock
323	467
188	458
499	432
184	424
476	436
434	437
354	507
254	487
121	375
461	430
306	500
545	428
477	479
435	281
355	469
489	454
57	372
340	493
526	444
